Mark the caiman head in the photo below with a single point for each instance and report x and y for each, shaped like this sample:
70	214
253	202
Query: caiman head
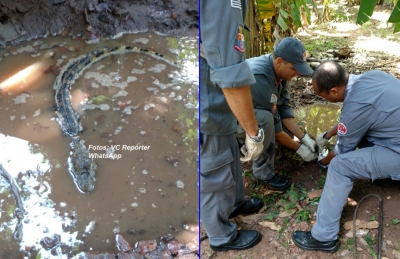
81	167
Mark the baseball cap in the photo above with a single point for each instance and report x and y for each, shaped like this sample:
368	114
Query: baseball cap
291	50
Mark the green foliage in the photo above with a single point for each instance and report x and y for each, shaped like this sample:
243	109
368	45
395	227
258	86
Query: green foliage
271	215
370	244
350	244
100	99
395	221
321	182
296	193
367	8
372	218
322	44
303	215
248	174
290	13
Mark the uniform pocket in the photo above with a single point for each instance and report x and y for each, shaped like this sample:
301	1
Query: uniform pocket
215	171
213	56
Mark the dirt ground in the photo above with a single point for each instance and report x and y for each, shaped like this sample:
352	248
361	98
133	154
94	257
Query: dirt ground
296	208
92	19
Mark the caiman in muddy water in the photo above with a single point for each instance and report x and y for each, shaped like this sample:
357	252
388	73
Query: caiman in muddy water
80	165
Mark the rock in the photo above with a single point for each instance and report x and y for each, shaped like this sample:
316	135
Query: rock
83	255
173	246
144	247
396	253
122	244
359	233
314	64
132	255
361	224
312	59
50	242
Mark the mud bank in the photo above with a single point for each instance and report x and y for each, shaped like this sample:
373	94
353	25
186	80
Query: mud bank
94	19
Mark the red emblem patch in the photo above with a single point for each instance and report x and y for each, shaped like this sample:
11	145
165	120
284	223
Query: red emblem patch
239	44
341	130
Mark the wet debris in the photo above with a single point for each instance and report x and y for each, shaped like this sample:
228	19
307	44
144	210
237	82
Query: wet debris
106	135
176	129
21	98
180	184
89	228
172	160
50	242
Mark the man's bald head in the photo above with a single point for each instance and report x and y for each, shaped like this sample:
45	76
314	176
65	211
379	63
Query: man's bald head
328	75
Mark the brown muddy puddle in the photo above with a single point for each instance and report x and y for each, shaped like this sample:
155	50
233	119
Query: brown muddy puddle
318	118
124	100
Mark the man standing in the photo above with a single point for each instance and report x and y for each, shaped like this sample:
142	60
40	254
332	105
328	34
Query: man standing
271	104
225	98
370	120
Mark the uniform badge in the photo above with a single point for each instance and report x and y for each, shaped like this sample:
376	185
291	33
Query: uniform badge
341	129
239	43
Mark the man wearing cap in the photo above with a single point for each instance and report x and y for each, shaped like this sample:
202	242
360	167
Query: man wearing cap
367	145
271	105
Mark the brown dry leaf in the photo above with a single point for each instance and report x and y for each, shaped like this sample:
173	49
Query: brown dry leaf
271	225
253	218
303	226
287	213
314	194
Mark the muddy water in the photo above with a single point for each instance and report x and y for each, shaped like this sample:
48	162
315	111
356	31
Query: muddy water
318	118
125	101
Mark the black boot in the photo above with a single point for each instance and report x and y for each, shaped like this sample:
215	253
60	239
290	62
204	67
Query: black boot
277	183
244	239
304	240
248	207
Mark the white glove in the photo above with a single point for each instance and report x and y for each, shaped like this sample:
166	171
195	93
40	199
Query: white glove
321	141
306	153
309	142
252	148
324	153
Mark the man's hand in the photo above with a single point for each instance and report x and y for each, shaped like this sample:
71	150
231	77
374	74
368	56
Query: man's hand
306	153
324	153
321	141
309	142
253	146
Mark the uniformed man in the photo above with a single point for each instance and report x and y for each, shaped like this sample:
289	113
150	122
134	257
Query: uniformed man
271	99
370	120
225	98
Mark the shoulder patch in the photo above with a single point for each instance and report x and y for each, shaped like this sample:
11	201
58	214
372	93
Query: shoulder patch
239	44
341	129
